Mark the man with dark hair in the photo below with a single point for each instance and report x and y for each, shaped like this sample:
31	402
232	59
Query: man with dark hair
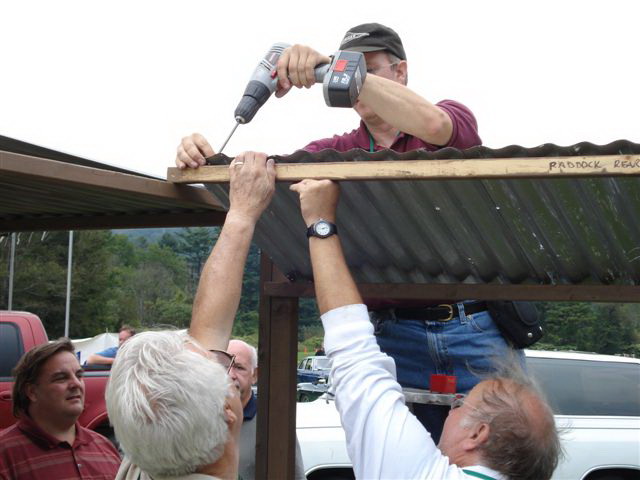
47	442
107	356
447	336
503	429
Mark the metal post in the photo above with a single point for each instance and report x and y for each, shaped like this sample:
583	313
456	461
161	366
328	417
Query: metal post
66	313
12	259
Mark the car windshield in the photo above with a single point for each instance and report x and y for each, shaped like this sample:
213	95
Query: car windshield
582	387
323	364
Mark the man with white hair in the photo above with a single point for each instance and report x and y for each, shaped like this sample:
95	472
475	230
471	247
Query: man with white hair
175	410
244	373
503	429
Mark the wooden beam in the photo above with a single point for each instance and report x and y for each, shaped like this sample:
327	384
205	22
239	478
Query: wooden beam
277	361
555	293
25	168
542	167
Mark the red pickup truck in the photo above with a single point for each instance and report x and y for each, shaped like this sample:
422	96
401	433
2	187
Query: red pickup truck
19	333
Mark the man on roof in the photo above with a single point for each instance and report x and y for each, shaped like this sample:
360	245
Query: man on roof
448	336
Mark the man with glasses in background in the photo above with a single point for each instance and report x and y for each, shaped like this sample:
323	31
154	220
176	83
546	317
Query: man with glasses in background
445	336
174	407
244	373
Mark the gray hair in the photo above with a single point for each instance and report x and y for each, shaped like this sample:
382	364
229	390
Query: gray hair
252	351
166	403
523	442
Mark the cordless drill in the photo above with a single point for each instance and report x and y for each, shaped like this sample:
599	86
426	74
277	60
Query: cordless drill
342	81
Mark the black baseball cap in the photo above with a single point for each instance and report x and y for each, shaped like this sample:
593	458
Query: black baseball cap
371	37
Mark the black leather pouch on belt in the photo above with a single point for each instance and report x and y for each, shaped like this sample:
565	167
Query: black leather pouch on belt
519	322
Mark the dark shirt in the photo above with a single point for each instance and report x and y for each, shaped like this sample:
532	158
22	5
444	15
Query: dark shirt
29	453
464	135
251	408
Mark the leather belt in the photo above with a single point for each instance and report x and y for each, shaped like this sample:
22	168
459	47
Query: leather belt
438	313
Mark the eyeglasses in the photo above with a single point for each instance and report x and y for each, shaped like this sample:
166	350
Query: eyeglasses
374	70
224	358
458	402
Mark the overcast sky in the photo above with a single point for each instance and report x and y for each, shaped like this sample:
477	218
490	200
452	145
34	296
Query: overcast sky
121	82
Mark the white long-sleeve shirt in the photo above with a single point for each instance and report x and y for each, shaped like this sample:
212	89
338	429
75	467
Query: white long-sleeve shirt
384	439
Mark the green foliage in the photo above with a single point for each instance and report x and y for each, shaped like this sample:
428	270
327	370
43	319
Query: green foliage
40	281
250	339
569	324
246	324
309	315
151	280
114	280
250	299
310	344
607	328
194	245
173	311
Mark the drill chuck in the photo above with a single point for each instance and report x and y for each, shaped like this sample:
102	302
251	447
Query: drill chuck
261	85
253	98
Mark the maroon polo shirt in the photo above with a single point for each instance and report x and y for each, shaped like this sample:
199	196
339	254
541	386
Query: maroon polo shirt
29	453
464	135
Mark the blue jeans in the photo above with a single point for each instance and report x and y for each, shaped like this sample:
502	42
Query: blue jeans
464	346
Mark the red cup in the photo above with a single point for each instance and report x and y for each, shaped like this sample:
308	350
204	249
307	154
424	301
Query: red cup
442	383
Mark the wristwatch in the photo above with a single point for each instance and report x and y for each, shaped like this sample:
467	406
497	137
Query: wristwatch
322	229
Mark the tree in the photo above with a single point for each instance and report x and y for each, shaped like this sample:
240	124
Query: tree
568	324
195	244
41	280
151	282
614	330
114	281
607	328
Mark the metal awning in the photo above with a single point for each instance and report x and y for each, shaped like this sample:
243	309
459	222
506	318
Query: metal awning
66	192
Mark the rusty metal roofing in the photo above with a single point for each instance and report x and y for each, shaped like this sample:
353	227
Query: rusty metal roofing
41	189
578	231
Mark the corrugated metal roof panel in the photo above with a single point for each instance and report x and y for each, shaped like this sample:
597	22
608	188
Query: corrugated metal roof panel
541	231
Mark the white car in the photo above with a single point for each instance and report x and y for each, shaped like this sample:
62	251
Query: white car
597	403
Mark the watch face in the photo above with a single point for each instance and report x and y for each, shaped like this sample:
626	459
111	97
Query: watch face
323	229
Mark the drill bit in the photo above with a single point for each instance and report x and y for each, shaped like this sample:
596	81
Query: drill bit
229	137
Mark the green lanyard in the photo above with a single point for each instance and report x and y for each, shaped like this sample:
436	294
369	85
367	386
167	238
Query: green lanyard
479	475
372	143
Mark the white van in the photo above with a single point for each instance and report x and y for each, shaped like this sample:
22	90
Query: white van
597	403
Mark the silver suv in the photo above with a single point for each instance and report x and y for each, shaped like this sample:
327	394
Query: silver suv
597	403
